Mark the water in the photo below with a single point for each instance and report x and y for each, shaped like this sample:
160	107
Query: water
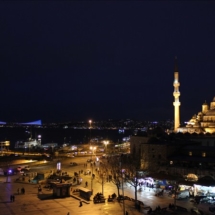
60	135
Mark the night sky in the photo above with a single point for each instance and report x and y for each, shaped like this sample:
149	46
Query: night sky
76	60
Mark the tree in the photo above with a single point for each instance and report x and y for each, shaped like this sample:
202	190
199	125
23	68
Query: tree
103	174
125	169
131	166
115	175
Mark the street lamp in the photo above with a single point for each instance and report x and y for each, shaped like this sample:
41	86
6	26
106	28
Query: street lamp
90	122
106	142
92	149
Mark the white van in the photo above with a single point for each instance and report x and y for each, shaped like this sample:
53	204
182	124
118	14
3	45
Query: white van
183	194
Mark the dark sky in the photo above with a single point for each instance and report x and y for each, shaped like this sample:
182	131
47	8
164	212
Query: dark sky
70	60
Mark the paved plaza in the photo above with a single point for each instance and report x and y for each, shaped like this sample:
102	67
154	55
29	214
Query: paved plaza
30	203
43	204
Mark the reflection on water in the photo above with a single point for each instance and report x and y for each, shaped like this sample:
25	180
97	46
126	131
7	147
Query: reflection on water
60	136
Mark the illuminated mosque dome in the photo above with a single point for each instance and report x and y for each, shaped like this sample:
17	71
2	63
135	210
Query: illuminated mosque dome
203	122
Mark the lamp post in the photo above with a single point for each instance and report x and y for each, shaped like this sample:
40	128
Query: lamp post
90	122
123	202
92	149
106	142
92	179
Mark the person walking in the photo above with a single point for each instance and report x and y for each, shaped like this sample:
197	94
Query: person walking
23	190
86	183
11	198
80	205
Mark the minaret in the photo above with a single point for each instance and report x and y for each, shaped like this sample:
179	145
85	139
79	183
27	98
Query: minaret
176	95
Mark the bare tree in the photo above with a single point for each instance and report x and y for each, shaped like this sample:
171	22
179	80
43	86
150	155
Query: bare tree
115	173
125	169
102	175
131	167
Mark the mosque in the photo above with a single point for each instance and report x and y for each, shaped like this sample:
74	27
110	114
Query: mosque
203	122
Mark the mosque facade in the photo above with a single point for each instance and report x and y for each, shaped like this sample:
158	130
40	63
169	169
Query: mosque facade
203	122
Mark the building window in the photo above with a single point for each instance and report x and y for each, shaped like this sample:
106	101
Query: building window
203	154
190	153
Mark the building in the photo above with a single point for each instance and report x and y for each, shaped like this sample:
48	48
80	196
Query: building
4	145
27	144
203	122
187	155
153	153
177	157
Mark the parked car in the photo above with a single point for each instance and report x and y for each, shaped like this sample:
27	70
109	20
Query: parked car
73	164
183	194
26	168
19	168
71	155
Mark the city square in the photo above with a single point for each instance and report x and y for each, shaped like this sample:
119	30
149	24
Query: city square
44	203
107	108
